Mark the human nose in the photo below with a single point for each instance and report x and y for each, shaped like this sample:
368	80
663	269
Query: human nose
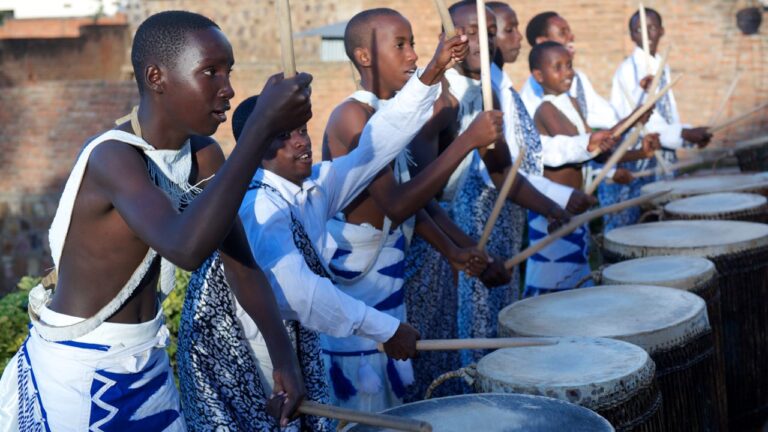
226	91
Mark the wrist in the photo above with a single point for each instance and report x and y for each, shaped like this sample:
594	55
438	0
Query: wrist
431	74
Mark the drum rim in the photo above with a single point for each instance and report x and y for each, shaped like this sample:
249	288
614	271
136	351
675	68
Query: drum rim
620	386
643	249
609	276
678	330
588	413
759	181
756	203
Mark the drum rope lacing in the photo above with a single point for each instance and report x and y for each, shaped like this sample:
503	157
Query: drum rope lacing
469	374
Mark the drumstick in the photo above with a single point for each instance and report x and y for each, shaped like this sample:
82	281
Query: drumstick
727	96
679	165
660	71
738	118
644	38
445	18
352	416
286	38
650	103
576	222
617	154
657	153
478	343
500	199
485	60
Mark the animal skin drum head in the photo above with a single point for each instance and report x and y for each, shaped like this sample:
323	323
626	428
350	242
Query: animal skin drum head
651	317
703	238
584	371
493	412
681	272
716	203
690	186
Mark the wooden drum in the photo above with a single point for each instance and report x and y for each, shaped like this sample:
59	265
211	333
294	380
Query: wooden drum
739	251
691	186
670	324
720	206
613	378
499	413
693	274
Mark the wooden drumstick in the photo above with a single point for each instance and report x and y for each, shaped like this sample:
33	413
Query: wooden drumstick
372	419
736	119
657	154
576	222
478	343
445	18
505	188
617	154
726	98
659	72
286	38
485	59
644	39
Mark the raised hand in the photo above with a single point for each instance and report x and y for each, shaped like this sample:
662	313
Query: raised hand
651	143
487	128
469	260
699	136
402	345
645	83
283	105
496	274
449	52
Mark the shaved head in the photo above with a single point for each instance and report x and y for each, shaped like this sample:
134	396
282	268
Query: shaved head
360	29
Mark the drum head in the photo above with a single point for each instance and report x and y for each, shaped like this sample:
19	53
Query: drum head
690	186
716	204
651	317
489	412
681	272
702	238
590	372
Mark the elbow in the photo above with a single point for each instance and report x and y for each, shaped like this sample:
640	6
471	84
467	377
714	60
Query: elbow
399	214
188	258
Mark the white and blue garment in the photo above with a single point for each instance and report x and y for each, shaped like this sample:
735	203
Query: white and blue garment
88	374
665	119
479	305
565	262
369	265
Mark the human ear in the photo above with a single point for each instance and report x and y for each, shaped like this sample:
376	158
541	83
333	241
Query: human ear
538	75
362	57
154	78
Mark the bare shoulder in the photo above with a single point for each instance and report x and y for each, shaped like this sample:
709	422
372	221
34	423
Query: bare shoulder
208	156
344	127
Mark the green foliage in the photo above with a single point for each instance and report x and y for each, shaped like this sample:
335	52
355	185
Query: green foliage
14	319
172	310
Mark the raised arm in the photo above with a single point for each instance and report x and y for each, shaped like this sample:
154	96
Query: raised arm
188	238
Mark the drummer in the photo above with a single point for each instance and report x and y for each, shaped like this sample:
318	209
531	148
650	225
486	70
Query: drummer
631	77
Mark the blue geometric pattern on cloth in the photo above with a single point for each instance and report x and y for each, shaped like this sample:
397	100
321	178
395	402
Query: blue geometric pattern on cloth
664	105
392	301
581	97
340	253
395	271
400	243
346	274
28	420
614	193
533	163
116	398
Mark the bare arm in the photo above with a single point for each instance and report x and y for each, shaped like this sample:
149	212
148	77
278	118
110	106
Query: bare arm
121	175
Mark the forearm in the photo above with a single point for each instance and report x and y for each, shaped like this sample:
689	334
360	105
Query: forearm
408	198
525	195
428	229
444	222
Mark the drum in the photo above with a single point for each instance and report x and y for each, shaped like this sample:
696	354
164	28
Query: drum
613	378
720	206
739	251
691	186
499	413
670	324
753	158
693	274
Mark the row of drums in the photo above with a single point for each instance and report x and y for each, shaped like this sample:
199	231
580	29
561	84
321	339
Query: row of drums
673	338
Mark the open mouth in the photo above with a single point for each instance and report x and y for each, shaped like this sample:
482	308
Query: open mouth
411	71
221	114
305	157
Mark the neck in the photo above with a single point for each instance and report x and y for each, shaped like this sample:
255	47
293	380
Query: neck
464	71
157	131
548	91
369	84
286	176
